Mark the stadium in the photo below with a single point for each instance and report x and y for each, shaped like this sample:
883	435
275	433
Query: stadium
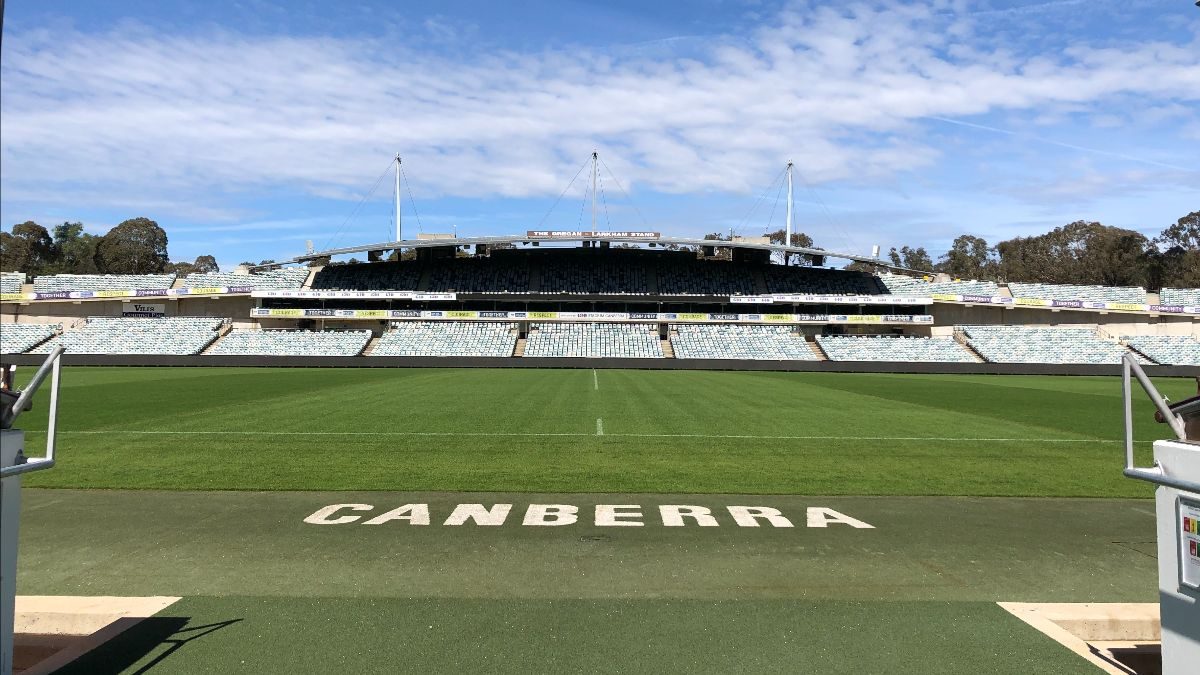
514	453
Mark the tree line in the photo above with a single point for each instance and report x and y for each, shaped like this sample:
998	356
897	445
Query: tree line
135	246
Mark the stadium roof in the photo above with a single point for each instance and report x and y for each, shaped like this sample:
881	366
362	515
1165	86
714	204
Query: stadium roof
618	238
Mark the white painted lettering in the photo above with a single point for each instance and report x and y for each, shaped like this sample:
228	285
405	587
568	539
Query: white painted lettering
322	515
747	516
415	514
550	514
819	516
614	515
673	515
476	512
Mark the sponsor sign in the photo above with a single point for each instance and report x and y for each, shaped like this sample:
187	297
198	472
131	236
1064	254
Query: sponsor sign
600	515
12	296
143	309
589	234
619	317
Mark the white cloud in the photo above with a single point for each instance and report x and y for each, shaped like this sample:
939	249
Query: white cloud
150	118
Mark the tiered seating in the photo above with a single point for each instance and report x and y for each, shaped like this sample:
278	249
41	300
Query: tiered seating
733	341
1128	294
447	338
594	340
893	348
595	274
905	285
101	282
10	282
1177	350
380	276
478	275
1179	296
240	342
820	281
688	276
284	278
20	337
1022	344
109	335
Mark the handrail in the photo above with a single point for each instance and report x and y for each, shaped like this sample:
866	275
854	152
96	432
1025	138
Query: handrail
1153	474
52	365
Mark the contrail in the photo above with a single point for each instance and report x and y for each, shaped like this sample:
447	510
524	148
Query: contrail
1070	146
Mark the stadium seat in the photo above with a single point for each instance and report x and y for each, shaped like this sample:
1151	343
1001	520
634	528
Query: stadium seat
593	340
900	284
1023	344
1179	350
447	338
241	342
101	282
112	335
735	341
1179	296
11	282
1086	293
903	349
284	278
16	338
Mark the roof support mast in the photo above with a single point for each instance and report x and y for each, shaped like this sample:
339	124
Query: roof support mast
595	174
398	202
788	235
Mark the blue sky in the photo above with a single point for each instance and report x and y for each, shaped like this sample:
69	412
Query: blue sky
248	128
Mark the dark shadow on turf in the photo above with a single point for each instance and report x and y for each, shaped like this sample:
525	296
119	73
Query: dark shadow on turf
149	635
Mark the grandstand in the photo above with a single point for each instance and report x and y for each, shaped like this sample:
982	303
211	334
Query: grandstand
899	284
894	348
241	342
101	282
733	341
593	340
1069	292
21	337
447	338
1179	296
1173	350
276	279
11	282
1023	344
820	281
107	335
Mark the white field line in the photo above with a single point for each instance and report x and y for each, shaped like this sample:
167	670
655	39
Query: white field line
595	380
599	426
946	439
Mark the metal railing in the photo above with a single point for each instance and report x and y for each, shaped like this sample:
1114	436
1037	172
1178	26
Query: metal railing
52	366
1153	474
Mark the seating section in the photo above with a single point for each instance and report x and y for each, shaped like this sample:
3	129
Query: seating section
1179	296
605	274
900	284
11	282
101	282
894	348
241	342
820	281
111	335
499	274
284	278
16	338
1128	294
685	275
734	341
379	276
1022	344
447	338
1176	350
594	340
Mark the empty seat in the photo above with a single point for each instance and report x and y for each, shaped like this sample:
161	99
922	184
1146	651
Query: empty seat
735	341
101	282
16	338
593	340
447	338
906	349
1081	292
241	342
113	335
1023	344
1176	350
284	278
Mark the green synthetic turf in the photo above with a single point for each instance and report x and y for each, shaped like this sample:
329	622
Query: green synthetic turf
334	635
540	430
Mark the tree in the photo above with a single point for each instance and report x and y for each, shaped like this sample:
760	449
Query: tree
76	249
206	264
911	258
720	253
1175	258
798	239
969	257
28	249
319	261
1081	252
136	246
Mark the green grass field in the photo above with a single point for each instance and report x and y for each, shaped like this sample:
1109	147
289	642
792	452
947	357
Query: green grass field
979	489
594	431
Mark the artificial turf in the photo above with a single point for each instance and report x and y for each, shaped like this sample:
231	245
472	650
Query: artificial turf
594	431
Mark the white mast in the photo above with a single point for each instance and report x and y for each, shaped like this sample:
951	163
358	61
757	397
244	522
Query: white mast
594	175
397	201
788	236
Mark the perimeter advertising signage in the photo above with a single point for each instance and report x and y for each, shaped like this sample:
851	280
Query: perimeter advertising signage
589	234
